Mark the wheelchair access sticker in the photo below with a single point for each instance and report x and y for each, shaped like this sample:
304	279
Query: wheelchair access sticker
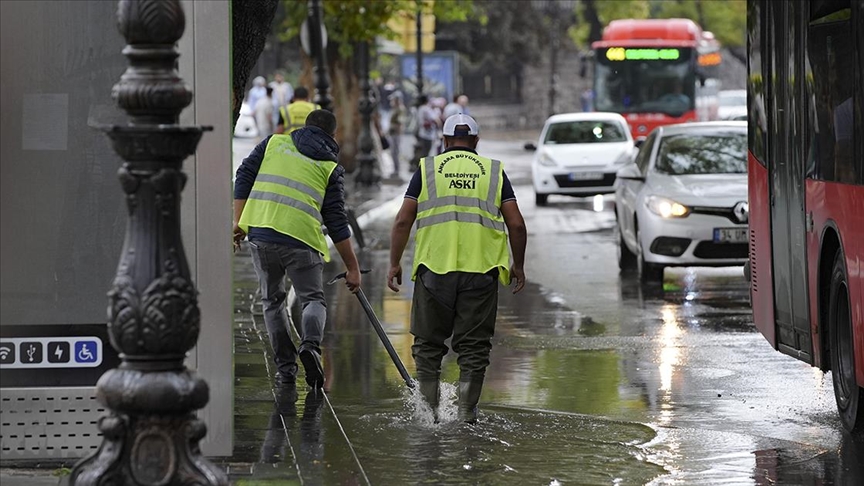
50	352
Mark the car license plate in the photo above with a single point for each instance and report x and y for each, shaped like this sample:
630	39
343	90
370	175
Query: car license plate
730	235
586	176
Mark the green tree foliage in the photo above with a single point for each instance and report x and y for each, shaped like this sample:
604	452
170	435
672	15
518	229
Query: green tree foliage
727	19
351	21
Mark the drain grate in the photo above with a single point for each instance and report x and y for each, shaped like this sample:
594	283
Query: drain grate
54	423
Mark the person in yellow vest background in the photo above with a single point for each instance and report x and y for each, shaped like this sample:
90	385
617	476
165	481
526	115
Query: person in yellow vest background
293	116
462	203
284	190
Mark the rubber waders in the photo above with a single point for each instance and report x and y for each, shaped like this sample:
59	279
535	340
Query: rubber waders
431	393
469	395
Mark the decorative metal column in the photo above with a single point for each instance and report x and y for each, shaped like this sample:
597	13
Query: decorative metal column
322	78
369	173
151	435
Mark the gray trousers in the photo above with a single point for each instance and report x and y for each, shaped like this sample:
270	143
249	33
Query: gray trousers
305	269
458	304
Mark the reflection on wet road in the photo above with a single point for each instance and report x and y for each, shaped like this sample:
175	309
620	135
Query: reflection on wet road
593	381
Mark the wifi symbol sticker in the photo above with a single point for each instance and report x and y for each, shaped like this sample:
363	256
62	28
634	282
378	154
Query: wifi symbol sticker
7	353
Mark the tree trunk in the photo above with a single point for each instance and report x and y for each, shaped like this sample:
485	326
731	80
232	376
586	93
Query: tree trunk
345	92
595	32
251	20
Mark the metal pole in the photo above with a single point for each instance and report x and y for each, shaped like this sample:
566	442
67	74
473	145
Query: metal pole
376	324
419	51
322	78
151	433
369	173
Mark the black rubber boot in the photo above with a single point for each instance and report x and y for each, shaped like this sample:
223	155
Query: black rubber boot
431	393
469	396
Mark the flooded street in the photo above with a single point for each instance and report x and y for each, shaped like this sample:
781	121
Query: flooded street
593	380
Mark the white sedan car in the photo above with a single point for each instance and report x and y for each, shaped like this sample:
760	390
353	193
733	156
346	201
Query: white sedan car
683	202
579	154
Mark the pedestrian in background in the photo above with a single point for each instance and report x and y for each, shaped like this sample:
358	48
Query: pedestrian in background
288	186
263	110
398	112
462	203
293	116
283	92
427	129
457	106
258	91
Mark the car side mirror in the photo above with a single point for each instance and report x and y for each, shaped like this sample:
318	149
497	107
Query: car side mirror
530	146
631	172
639	142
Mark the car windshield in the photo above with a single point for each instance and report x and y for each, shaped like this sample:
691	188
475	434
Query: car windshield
715	153
585	131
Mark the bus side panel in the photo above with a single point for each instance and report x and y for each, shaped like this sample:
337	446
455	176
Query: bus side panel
761	278
840	204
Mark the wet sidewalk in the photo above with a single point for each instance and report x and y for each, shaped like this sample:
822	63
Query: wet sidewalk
277	431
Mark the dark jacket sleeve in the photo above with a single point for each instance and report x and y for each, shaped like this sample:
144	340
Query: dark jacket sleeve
248	171
333	207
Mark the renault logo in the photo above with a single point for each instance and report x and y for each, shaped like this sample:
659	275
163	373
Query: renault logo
741	212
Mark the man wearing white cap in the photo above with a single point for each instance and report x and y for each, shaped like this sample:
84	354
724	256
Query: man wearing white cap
462	203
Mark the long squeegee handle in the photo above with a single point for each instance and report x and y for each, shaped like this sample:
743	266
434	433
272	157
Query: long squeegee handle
343	275
384	339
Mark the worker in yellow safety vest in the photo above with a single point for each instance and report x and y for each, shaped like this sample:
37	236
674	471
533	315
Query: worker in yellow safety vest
465	210
294	115
283	192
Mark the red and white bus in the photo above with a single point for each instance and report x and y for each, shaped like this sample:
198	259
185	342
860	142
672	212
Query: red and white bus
806	186
656	72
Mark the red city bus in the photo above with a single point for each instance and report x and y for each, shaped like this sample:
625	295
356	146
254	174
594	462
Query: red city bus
806	187
656	72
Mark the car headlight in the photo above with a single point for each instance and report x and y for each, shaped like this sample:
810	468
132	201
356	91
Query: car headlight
546	160
666	208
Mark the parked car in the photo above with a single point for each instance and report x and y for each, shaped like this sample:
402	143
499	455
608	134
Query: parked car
683	201
579	154
732	104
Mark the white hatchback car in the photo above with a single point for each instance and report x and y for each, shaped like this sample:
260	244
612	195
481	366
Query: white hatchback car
579	153
683	202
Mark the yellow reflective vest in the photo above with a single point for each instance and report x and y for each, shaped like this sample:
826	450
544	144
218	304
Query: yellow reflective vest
459	221
294	115
288	193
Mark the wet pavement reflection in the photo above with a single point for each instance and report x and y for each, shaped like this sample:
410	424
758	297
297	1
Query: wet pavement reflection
594	380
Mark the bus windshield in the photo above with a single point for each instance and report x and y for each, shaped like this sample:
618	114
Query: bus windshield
715	153
635	80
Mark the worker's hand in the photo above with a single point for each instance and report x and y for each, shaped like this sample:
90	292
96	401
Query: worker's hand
518	277
352	280
395	273
239	235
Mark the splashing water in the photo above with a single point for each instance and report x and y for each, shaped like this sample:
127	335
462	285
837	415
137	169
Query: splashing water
422	414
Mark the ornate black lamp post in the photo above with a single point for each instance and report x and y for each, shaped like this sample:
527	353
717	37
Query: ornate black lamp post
151	434
369	173
322	79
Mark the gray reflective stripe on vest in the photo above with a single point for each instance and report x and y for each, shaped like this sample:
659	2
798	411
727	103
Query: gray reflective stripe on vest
494	183
284	181
287	201
460	217
470	202
431	188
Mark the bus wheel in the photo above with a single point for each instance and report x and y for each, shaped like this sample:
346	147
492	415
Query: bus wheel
849	396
